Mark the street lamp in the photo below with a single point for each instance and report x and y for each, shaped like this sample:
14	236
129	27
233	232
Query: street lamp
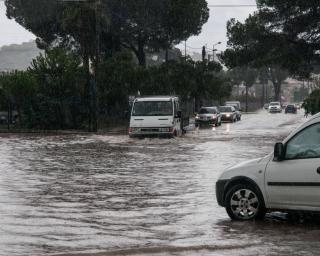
214	50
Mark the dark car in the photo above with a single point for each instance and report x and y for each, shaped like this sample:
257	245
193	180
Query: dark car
238	113
228	113
208	116
291	109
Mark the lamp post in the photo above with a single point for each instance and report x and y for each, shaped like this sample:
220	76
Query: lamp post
214	50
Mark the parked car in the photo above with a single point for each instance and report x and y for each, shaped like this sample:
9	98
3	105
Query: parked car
266	106
156	116
275	107
291	109
228	113
287	179
208	116
237	106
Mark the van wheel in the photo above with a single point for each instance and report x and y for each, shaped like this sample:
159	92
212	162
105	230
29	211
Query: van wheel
244	203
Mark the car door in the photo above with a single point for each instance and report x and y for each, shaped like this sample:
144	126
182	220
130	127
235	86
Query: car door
295	181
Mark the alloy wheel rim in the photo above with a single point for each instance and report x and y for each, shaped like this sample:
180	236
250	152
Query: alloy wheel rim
244	204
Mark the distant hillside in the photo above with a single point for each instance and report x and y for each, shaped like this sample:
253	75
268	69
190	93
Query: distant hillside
18	57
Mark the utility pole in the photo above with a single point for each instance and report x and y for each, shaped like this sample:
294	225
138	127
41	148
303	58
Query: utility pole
204	53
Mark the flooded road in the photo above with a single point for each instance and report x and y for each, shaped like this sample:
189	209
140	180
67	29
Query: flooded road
111	195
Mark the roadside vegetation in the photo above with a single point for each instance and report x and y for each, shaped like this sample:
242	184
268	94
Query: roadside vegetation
96	55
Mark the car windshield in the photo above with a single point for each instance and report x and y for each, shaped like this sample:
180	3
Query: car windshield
207	111
274	104
153	108
226	109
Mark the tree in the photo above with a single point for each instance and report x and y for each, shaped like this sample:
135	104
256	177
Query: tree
246	76
59	93
284	33
152	25
17	93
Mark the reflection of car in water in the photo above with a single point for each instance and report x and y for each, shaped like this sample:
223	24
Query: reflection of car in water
228	113
291	109
288	179
208	116
156	116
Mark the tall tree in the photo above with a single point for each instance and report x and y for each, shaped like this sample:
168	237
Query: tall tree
284	33
152	25
246	76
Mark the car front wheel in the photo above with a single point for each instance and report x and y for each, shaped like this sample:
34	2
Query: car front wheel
244	203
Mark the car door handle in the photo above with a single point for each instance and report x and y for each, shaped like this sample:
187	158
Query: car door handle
318	170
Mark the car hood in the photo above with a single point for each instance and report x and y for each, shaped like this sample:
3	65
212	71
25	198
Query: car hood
246	168
206	115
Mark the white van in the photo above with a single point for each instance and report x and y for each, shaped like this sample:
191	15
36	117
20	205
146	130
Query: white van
288	179
156	116
236	104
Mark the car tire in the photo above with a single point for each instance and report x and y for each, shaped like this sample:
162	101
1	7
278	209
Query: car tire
244	203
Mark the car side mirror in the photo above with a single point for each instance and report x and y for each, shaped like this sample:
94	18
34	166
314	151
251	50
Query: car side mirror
279	152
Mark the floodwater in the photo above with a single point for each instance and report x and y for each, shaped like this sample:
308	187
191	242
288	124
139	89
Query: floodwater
111	195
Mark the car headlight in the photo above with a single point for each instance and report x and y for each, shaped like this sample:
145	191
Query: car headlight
164	130
228	115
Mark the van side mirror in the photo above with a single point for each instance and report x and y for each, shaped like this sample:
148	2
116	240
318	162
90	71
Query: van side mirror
279	152
179	114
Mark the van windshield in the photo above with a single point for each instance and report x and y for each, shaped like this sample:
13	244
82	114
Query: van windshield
153	108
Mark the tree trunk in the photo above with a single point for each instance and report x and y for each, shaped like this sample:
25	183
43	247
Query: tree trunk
167	55
277	91
141	54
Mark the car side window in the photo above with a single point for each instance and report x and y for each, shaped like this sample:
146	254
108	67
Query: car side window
305	145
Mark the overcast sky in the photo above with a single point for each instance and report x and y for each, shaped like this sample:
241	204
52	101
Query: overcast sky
213	32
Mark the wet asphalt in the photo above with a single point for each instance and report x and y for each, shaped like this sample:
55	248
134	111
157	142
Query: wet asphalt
111	195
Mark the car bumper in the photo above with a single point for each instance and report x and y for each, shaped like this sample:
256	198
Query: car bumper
206	122
220	190
154	131
226	118
275	110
